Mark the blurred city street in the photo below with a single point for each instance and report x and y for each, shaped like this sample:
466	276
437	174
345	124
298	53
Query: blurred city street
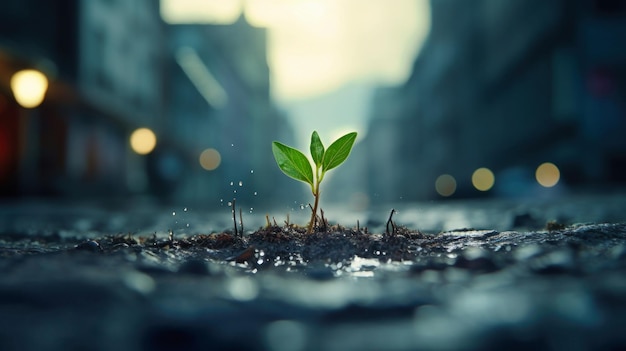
481	204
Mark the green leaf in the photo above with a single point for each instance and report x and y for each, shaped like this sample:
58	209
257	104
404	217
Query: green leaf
338	151
317	149
292	162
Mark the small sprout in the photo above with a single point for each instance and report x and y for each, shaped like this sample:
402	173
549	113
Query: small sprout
240	222
390	222
234	215
296	165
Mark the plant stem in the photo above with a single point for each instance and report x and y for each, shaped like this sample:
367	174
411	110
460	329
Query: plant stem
316	194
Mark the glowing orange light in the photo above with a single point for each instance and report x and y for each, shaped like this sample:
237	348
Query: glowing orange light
210	159
143	141
547	174
483	179
29	87
445	185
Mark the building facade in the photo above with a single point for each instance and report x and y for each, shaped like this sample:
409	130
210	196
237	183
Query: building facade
115	66
219	99
507	86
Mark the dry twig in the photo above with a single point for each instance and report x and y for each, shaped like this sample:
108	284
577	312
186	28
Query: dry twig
390	222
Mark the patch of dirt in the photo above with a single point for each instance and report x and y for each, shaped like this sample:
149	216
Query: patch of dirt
404	290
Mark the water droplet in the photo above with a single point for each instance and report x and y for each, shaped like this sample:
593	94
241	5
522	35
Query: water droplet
185	209
235	191
173	213
251	209
231	183
301	206
230	203
252	171
255	193
240	183
187	225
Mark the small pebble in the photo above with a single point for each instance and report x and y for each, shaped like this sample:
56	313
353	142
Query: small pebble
90	245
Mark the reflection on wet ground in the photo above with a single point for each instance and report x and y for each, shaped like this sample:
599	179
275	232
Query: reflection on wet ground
477	275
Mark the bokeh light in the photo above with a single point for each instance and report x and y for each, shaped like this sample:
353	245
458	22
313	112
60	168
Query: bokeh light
483	179
29	87
210	159
547	174
143	141
445	185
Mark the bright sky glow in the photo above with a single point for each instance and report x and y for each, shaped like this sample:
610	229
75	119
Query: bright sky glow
200	11
316	46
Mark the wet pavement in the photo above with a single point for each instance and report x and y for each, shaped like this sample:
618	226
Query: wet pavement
470	275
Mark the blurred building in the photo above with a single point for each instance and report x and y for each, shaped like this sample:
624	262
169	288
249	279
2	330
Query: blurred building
219	100
103	60
34	39
120	67
115	66
506	85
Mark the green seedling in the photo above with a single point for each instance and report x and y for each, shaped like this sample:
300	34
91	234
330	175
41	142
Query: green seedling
297	166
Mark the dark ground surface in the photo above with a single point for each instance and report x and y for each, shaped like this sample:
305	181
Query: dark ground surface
75	278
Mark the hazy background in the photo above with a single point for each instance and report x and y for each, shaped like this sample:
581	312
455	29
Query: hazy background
451	98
